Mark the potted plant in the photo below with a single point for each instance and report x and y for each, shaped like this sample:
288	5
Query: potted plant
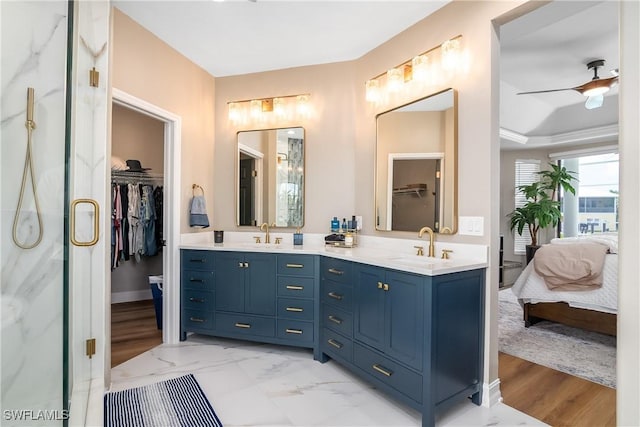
541	208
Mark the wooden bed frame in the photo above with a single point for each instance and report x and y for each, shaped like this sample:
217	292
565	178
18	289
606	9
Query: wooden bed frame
561	312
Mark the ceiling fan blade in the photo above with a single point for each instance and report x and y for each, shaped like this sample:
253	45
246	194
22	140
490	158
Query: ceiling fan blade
608	82
545	91
594	102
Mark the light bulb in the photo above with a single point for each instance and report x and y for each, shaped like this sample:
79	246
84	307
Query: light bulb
372	90
395	79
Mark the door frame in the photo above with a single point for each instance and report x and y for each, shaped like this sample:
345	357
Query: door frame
258	185
171	214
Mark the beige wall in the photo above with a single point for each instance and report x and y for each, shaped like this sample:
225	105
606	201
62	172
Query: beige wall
147	68
137	136
341	135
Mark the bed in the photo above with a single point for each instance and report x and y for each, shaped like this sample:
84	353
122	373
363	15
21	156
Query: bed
593	310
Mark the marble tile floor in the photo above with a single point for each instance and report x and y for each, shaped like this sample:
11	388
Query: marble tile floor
252	384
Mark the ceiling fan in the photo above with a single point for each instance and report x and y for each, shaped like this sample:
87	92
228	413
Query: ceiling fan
594	89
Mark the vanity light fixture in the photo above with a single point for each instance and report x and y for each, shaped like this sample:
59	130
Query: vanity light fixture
425	68
269	109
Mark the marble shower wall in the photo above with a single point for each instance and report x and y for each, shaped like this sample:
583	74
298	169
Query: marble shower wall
33	47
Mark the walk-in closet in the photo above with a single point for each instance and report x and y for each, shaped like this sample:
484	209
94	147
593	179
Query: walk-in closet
137	192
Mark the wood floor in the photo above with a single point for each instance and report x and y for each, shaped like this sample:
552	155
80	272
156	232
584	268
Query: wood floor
133	330
553	397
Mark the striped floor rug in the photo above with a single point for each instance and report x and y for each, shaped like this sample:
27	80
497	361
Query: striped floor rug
176	402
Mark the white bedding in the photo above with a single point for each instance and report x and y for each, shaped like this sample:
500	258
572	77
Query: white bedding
530	287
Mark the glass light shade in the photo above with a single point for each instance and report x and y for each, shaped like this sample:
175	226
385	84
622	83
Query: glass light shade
395	79
420	66
235	112
256	108
279	107
372	90
450	50
302	105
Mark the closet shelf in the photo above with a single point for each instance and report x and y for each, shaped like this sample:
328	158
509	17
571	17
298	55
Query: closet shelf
126	177
416	189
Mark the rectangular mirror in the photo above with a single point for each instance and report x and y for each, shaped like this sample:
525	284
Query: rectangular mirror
416	165
270	177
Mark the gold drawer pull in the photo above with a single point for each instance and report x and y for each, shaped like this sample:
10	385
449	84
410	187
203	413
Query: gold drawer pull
382	370
242	325
295	287
192	299
334	271
295	265
296	309
335	319
293	331
197	319
335	296
335	343
192	279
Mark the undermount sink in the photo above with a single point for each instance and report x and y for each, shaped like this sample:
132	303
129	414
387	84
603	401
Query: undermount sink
420	261
255	245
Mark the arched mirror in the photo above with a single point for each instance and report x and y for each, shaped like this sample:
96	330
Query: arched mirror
416	165
270	177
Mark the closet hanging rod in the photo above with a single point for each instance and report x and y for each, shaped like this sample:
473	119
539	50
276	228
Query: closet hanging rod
126	177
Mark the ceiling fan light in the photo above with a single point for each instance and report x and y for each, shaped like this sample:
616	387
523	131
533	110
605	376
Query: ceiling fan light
596	87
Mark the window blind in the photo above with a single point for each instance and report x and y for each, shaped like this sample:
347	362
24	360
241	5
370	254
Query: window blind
526	173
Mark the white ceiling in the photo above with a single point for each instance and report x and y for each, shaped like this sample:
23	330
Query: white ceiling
545	49
239	37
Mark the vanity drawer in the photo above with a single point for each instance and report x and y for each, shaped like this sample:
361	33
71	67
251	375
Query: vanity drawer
197	260
292	286
337	294
337	270
335	345
197	300
293	308
198	280
338	320
296	265
243	324
197	319
295	331
388	372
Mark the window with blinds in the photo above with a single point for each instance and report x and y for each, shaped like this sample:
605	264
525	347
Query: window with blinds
526	173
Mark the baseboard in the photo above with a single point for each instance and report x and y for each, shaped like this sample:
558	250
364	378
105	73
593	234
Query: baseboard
491	395
129	296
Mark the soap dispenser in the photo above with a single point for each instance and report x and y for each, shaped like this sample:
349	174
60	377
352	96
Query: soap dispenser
335	224
297	238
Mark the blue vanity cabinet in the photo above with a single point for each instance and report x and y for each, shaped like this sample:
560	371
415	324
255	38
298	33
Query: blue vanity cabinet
296	304
389	312
417	338
336	317
246	283
197	292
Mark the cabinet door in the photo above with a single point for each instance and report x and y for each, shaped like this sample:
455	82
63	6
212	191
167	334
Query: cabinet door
260	284
404	317
369	297
230	269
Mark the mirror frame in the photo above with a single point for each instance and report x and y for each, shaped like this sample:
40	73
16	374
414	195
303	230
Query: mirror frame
450	168
264	157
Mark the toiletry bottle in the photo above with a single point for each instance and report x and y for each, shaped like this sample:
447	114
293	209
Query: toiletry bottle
335	224
297	238
348	239
352	223
344	224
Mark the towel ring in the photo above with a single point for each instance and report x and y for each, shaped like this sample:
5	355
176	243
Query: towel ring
194	187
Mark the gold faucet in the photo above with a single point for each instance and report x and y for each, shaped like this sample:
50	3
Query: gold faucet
267	236
432	248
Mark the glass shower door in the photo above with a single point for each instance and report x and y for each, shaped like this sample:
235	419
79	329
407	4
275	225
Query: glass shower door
33	247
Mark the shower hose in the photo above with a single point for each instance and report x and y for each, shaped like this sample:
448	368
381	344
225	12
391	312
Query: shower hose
28	165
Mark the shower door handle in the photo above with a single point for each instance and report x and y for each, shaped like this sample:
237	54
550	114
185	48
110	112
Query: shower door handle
96	222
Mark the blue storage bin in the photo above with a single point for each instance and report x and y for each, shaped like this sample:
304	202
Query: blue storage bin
156	290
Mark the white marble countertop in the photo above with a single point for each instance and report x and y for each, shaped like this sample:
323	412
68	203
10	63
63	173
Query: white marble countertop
398	254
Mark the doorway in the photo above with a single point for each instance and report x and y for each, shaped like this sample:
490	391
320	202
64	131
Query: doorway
172	125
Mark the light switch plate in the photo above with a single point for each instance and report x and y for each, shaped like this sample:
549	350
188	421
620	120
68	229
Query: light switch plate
471	225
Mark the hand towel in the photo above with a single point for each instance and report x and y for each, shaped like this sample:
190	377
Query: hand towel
198	213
